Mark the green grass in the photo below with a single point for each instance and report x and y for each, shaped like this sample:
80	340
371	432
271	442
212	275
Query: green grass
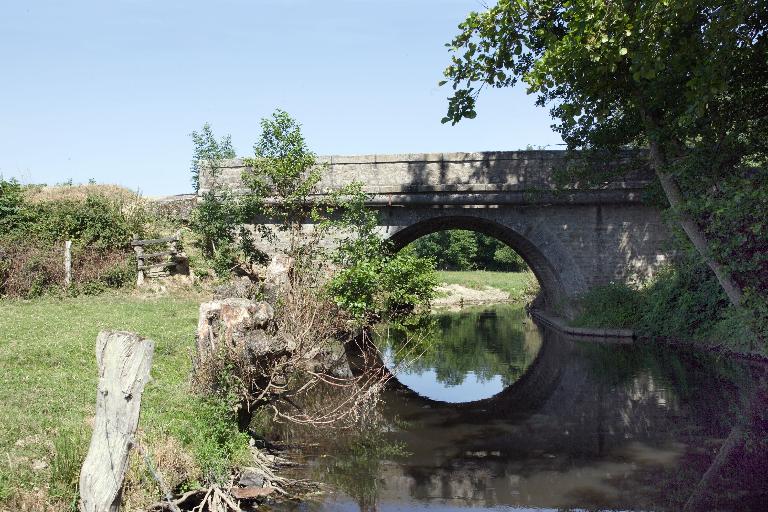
48	380
515	283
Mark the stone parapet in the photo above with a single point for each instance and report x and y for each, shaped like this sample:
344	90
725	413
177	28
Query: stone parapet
492	172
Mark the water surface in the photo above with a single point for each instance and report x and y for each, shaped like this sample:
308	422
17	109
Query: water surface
502	415
471	355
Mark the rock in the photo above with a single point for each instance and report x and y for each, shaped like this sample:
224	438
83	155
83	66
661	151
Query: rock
259	343
251	478
277	276
241	324
242	288
249	493
232	319
39	465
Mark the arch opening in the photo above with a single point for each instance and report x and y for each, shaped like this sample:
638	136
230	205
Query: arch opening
552	292
484	342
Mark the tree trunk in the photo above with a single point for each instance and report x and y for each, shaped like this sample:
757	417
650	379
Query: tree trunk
698	498
124	361
692	230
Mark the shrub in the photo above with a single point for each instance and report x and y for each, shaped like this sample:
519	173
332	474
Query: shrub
615	305
377	284
11	201
684	301
99	220
28	270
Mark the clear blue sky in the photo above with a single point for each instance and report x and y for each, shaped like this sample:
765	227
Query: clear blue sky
110	90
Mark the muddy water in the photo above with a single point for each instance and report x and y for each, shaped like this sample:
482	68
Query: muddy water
500	414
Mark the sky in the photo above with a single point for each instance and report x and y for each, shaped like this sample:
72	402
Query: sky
111	90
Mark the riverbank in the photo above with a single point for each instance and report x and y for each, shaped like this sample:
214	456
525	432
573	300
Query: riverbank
459	288
683	304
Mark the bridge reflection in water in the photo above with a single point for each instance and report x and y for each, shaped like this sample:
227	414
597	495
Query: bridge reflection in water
584	425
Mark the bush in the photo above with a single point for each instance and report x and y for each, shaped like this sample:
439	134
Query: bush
11	201
28	270
90	218
615	305
96	222
377	284
33	231
684	301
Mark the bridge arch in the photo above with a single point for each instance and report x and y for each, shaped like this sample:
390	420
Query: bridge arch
559	276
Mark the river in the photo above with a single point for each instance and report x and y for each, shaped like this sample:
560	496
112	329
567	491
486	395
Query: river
499	413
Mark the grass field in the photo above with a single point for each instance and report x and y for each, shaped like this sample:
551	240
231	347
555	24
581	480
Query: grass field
48	386
515	283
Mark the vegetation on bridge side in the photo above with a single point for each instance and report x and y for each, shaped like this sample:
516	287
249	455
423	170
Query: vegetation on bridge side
362	277
684	303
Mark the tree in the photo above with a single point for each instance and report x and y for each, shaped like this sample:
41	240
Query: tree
458	249
684	78
208	151
217	217
332	238
281	177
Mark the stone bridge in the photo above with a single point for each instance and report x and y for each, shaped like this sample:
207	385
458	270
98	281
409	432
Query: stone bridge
572	239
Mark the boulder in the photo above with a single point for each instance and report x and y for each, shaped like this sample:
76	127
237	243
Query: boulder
237	322
240	288
277	276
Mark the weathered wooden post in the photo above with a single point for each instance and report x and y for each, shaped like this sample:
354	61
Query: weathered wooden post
139	249
68	263
124	360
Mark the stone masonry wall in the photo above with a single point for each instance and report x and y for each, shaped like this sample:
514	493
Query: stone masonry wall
573	239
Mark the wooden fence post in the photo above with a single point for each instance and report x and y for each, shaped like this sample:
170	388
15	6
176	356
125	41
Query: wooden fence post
124	361
139	249
68	263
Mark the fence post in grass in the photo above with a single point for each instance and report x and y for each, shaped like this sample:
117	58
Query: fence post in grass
68	263
139	249
124	361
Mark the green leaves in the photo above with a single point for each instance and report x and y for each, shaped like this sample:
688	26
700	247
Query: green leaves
209	152
376	283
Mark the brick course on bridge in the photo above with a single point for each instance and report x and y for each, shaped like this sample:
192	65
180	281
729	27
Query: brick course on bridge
572	239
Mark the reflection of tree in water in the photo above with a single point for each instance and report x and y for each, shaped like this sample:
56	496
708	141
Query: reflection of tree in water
355	464
723	403
484	341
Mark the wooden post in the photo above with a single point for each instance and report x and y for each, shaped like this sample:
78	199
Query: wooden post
172	249
124	361
68	263
139	249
